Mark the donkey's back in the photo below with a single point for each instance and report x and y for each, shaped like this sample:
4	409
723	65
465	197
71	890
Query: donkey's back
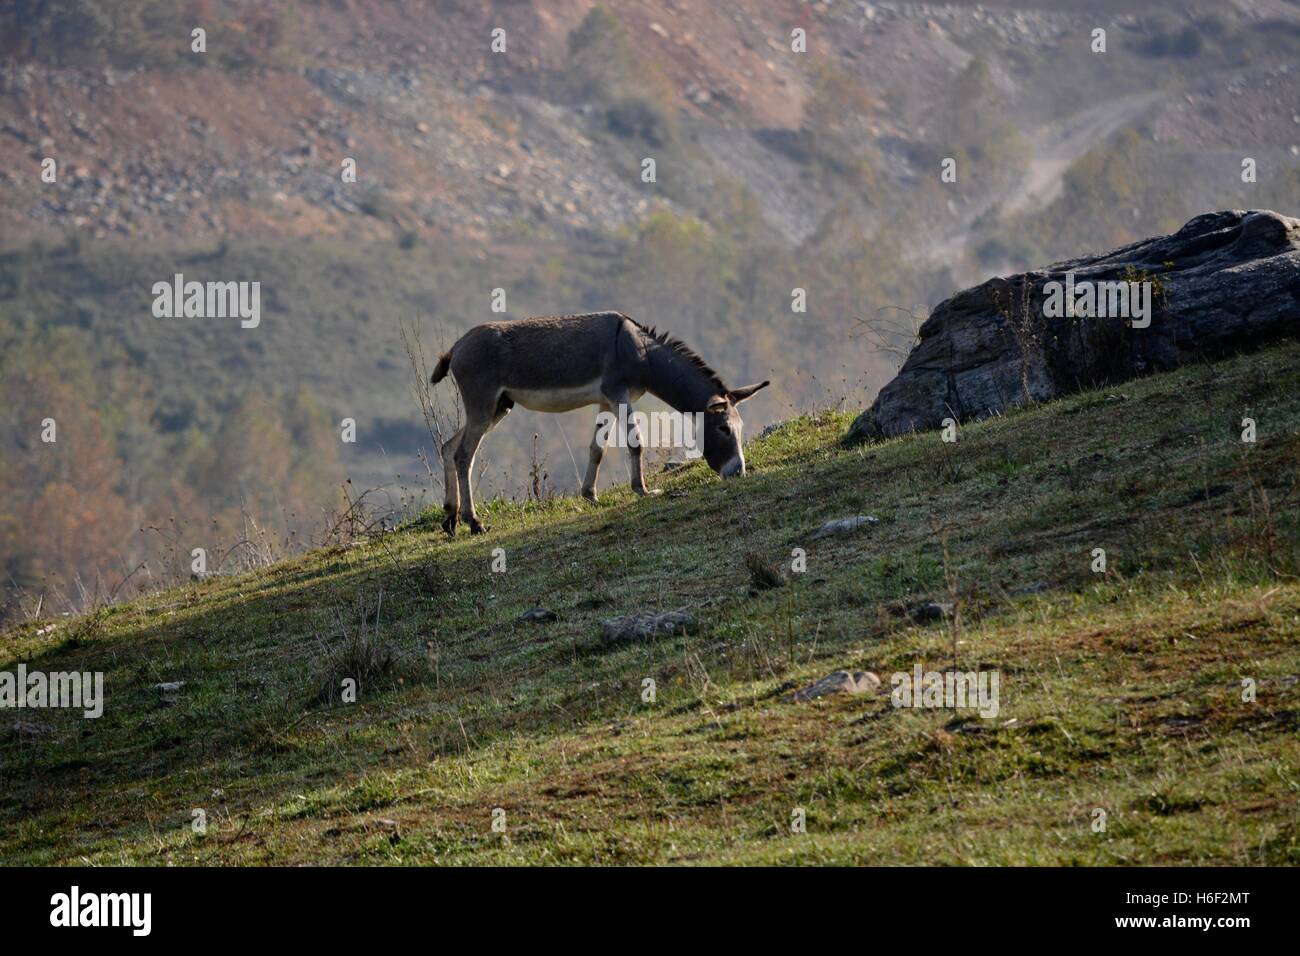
549	352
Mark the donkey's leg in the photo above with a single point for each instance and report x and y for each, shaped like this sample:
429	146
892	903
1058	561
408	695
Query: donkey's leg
597	452
474	432
475	428
634	440
450	482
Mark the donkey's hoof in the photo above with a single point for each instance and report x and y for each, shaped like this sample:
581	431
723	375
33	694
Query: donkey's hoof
477	527
648	492
589	494
449	523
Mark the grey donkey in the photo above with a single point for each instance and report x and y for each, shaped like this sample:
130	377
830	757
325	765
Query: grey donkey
557	363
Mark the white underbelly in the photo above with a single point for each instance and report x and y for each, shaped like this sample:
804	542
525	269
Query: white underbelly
557	399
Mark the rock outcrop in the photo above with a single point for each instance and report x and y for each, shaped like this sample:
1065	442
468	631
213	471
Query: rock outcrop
1226	281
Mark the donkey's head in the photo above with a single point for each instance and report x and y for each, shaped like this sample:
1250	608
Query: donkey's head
723	447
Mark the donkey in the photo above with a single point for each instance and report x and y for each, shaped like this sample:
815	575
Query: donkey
557	363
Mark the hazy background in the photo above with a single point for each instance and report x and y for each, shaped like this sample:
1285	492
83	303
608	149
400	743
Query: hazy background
521	171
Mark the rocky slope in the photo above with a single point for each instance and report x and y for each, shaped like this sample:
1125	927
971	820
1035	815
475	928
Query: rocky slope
451	138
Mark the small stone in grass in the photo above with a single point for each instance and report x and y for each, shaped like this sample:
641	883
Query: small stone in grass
844	525
168	692
930	611
633	627
537	615
838	682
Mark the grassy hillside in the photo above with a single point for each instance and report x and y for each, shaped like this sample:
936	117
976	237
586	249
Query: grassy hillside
1120	691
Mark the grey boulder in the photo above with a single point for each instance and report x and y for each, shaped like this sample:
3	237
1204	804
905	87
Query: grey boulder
1224	282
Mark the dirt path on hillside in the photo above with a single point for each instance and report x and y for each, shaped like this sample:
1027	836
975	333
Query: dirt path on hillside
1057	146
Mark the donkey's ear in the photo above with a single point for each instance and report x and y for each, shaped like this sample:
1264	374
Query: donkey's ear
738	395
718	403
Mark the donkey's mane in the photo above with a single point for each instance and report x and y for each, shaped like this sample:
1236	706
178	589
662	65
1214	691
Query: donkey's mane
680	348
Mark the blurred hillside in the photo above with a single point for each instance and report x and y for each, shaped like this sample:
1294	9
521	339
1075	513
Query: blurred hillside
520	170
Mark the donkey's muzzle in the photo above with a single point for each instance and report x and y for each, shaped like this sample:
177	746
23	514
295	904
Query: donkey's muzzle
733	468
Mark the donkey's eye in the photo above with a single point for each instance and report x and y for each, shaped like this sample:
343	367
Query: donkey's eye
726	429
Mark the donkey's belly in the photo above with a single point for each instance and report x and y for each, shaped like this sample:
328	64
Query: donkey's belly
557	399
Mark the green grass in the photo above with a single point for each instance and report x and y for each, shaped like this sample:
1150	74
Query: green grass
1119	691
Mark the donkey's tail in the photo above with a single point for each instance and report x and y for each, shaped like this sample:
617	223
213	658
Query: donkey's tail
440	371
